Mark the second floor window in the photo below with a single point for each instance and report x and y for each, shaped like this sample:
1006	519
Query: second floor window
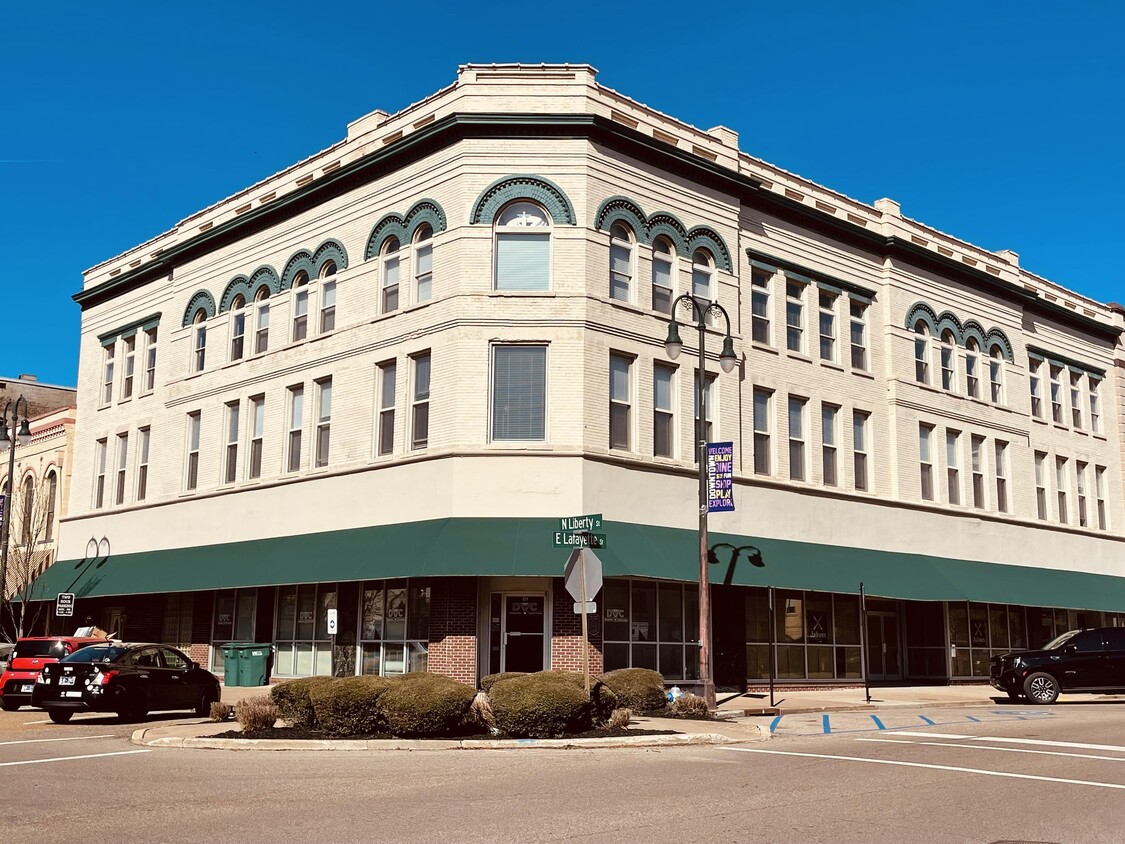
262	322
827	325
794	316
976	455
972	360
323	421
1076	399
388	300
100	448
828	415
300	306
663	414
144	434
423	264
859	448
130	365
1000	456
921	353
926	461
1080	481
1061	485
620	263
760	306
1035	385
953	466
257	433
107	372
948	355
663	276
150	360
238	328
1095	409
523	248
519	393
1099	491
52	505
620	401
230	464
797	438
296	428
763	464
996	375
858	333
420	407
195	425
387	393
122	464
1056	394
1041	485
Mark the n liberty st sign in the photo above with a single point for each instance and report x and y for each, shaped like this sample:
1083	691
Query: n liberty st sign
580	532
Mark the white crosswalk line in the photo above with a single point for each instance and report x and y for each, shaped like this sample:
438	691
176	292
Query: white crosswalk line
1002	749
72	758
41	740
1076	745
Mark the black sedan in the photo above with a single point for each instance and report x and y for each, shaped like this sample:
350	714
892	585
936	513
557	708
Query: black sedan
129	679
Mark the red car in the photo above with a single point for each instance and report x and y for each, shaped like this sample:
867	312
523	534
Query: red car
27	660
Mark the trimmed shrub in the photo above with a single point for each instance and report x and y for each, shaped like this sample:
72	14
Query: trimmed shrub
349	706
601	695
221	711
540	706
620	719
639	689
293	702
424	704
689	706
256	713
489	680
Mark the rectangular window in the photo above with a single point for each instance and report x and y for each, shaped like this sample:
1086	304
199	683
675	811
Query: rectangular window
390	283
922	358
122	463
1095	409
150	360
200	348
262	329
976	449
1034	382
107	372
237	335
662	286
859	333
996	377
327	307
1061	485
709	409
144	435
663	412
972	383
130	365
1080	478
323	420
620	264
760	306
948	380
522	261
925	459
763	464
296	427
394	626
797	438
195	424
1056	394
423	273
1041	485
257	432
1099	491
301	313
794	316
828	416
100	448
1076	399
519	393
387	391
1000	455
827	325
230	459
420	409
952	466
620	401
859	448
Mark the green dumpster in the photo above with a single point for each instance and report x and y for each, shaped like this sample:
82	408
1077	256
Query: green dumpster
254	663
231	664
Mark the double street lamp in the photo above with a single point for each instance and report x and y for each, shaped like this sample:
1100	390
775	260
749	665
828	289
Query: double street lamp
21	433
727	360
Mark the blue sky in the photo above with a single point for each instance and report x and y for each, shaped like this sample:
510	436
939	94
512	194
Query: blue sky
999	123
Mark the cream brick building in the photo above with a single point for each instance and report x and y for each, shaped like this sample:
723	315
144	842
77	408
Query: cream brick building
377	379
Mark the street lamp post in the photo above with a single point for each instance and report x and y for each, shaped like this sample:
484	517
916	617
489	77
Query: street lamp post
21	433
673	346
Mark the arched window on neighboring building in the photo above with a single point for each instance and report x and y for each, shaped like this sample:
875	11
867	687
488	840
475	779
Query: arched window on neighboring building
663	275
52	503
199	343
972	362
423	264
28	509
703	280
948	352
996	374
921	352
388	300
238	328
300	306
262	320
327	297
620	263
523	248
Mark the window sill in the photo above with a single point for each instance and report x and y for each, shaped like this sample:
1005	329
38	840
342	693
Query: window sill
831	364
1039	419
417	306
864	373
798	356
763	347
522	294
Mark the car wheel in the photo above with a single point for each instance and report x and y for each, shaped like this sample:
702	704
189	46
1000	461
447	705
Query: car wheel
1041	688
60	716
9	705
206	698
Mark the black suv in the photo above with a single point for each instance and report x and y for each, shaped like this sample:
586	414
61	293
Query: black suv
1077	661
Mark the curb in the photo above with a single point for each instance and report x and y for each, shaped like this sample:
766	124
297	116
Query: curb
677	740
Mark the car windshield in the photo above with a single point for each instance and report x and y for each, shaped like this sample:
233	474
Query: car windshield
52	648
1060	641
97	653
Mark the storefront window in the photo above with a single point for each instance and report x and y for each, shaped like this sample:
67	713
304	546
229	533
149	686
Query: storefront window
651	625
817	635
233	622
394	627
301	635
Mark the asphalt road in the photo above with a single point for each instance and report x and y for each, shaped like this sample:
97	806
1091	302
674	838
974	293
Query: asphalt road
1053	774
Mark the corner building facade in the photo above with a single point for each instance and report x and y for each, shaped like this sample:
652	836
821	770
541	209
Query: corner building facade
377	380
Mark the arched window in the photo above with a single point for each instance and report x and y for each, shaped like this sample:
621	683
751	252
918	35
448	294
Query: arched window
663	275
921	353
300	306
523	248
389	297
262	320
423	264
948	376
620	263
703	279
238	327
327	297
52	503
972	356
199	345
996	374
28	509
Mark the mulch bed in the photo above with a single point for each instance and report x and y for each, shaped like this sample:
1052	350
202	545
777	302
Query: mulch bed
295	733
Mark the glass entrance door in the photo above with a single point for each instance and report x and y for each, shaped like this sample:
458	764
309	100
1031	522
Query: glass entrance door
883	661
522	633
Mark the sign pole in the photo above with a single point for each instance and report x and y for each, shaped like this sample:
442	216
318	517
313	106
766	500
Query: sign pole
585	630
863	643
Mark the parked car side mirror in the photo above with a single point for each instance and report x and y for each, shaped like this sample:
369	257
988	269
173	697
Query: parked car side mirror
1071	649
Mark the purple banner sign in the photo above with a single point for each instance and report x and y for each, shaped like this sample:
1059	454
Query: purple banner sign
720	477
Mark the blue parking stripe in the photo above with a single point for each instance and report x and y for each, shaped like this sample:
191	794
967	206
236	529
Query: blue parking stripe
929	721
774	723
878	723
827	728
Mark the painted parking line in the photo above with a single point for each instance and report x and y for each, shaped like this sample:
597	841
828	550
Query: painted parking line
73	758
78	716
40	740
930	766
1002	749
1076	745
879	724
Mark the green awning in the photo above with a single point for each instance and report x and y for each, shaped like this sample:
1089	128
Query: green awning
523	547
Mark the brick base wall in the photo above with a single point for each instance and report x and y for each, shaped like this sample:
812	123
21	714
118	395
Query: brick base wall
453	628
566	634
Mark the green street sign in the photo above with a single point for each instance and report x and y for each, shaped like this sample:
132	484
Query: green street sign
565	539
591	522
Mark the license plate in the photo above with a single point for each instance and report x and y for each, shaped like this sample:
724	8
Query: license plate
72	694
28	689
66	681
